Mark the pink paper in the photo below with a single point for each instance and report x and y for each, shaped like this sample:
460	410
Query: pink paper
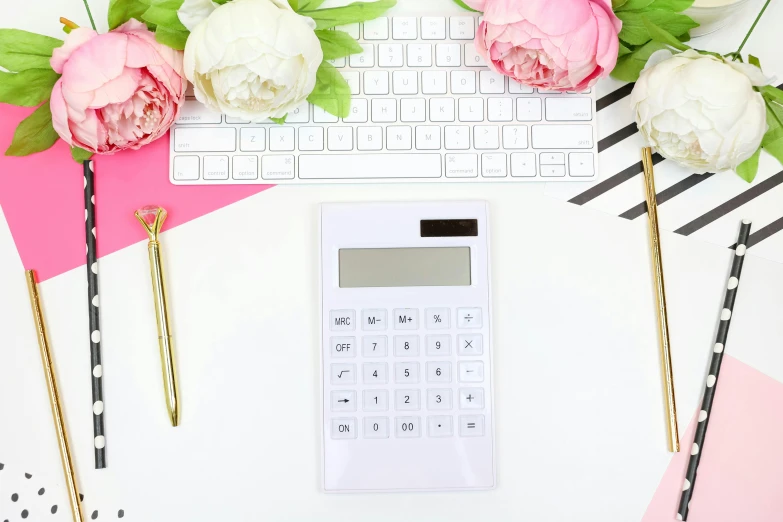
42	197
740	477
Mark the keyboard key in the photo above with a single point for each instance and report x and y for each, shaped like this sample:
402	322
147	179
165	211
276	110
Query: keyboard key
240	121
412	110
244	167
252	139
486	137
352	29
376	82
407	400
405	82
376	427
370	166
470	371
580	164
406	346
419	55
399	137
551	158
469	318
461	165
462	27
569	109
344	428
514	87
311	138
338	62
515	137
406	319
281	138
433	82
277	167
342	320
321	116
491	82
438	345
428	137
528	109
358	111
215	167
186	168
377	29
471	398
364	59
369	138
406	373
375	400
471	109
214	139
374	319
473	58
390	55
448	55
437	318
343	400
471	425
340	138
463	82
352	78
375	373
384	110
440	426
472	344
500	109
404	28
343	373
374	346
439	399
193	111
493	165
441	109
439	371
407	427
523	165
457	137
433	28
553	171
342	347
562	136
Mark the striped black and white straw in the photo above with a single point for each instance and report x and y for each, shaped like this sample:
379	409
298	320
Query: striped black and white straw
93	305
712	379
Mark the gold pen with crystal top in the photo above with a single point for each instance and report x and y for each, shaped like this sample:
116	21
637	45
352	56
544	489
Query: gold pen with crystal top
152	219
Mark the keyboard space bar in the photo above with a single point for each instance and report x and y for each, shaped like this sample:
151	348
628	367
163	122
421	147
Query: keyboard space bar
369	166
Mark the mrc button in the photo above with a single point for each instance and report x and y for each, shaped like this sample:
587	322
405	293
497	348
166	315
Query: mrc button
342	320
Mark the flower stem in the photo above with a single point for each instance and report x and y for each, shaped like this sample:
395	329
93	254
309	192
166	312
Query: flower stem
756	21
92	22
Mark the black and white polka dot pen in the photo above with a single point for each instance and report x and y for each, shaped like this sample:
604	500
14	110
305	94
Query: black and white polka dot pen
712	378
93	304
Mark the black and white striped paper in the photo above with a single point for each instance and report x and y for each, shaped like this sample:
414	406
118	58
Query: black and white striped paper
712	379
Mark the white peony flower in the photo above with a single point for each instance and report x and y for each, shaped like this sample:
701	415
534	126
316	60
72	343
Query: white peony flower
699	110
250	59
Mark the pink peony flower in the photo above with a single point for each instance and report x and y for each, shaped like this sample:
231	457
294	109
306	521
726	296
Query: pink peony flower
559	45
118	90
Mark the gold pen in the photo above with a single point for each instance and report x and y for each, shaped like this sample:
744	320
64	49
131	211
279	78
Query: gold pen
152	219
660	299
54	398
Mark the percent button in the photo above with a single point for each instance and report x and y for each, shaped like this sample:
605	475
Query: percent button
438	318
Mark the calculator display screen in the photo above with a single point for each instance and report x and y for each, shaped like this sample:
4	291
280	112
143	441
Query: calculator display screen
394	267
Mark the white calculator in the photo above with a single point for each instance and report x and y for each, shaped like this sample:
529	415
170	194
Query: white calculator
406	347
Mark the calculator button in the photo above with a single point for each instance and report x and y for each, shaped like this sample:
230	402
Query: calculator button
343	373
344	428
438	318
439	399
343	346
470	344
376	427
440	426
471	371
376	400
438	345
471	425
407	400
342	320
406	319
406	345
375	373
374	346
406	373
344	400
373	319
439	371
471	398
469	317
406	427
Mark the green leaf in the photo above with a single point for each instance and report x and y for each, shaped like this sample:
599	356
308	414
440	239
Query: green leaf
279	121
465	6
66	29
748	169
634	5
172	38
27	88
331	91
34	134
684	37
221	2
309	5
349	14
635	32
662	36
21	50
79	155
617	4
294	4
623	50
754	61
676	6
772	93
120	11
336	44
629	66
164	14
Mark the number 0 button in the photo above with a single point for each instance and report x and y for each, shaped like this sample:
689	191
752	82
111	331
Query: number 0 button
376	427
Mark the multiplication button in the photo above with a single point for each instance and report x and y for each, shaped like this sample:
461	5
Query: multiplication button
373	319
471	425
344	428
470	344
342	320
406	319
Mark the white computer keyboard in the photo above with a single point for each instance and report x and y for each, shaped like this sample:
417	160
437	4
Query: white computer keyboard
425	108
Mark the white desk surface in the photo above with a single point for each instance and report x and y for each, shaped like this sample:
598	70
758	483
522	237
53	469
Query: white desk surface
579	408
